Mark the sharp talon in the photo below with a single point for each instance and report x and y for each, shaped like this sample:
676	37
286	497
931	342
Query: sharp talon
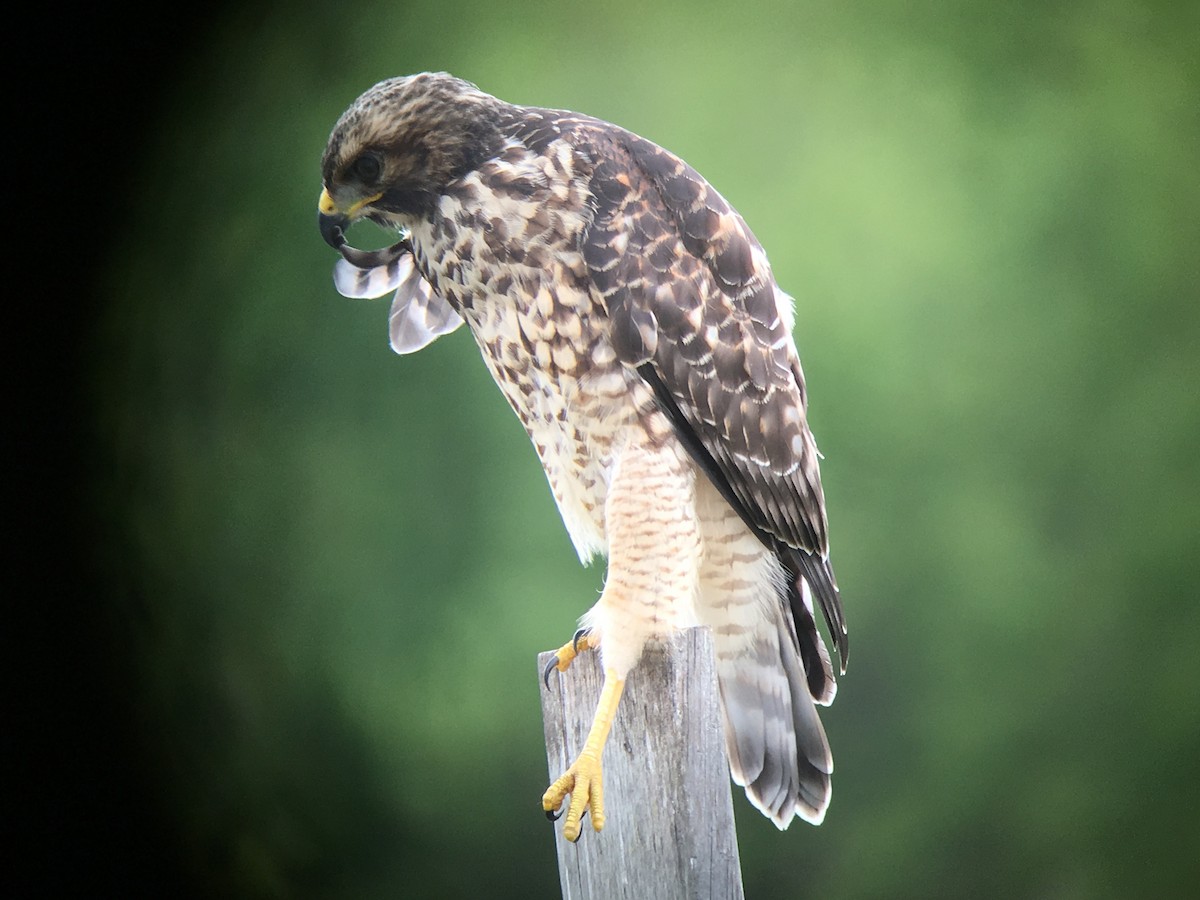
554	815
565	655
575	840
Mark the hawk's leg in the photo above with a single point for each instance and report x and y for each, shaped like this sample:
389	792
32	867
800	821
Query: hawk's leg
653	540
583	780
565	655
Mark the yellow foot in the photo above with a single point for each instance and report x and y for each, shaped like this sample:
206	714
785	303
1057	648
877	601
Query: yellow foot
583	780
585	783
565	655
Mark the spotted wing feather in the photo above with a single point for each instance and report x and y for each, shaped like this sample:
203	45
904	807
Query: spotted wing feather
372	282
418	316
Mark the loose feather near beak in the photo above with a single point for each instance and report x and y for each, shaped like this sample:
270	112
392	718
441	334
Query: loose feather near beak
333	223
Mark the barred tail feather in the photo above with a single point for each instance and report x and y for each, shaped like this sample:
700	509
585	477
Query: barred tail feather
775	741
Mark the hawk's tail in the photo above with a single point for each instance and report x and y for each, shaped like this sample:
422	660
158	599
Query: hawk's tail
776	743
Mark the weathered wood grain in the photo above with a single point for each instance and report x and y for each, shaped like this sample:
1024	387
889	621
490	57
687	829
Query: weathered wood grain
670	830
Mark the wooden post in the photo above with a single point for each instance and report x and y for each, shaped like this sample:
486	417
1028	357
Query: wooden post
670	831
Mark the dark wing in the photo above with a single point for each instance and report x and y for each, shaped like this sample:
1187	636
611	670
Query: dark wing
696	310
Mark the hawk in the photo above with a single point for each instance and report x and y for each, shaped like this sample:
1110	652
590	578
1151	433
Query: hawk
632	321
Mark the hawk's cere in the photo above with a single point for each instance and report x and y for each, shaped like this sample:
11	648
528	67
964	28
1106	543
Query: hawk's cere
632	321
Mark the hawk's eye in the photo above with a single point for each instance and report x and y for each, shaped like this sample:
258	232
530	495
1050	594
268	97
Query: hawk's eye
366	168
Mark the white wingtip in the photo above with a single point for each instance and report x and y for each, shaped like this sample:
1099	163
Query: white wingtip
419	316
354	282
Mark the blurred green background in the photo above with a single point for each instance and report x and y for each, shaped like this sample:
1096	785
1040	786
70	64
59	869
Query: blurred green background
988	216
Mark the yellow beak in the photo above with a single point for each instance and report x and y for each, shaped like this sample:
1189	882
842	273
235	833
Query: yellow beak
327	207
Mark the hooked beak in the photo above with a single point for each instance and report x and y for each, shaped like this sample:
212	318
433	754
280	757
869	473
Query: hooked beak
333	221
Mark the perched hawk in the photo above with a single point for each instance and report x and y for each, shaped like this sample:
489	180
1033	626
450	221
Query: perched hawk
632	321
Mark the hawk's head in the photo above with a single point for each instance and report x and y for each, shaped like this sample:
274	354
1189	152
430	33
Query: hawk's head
398	146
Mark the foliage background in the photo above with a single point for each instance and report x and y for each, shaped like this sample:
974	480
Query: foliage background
305	664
